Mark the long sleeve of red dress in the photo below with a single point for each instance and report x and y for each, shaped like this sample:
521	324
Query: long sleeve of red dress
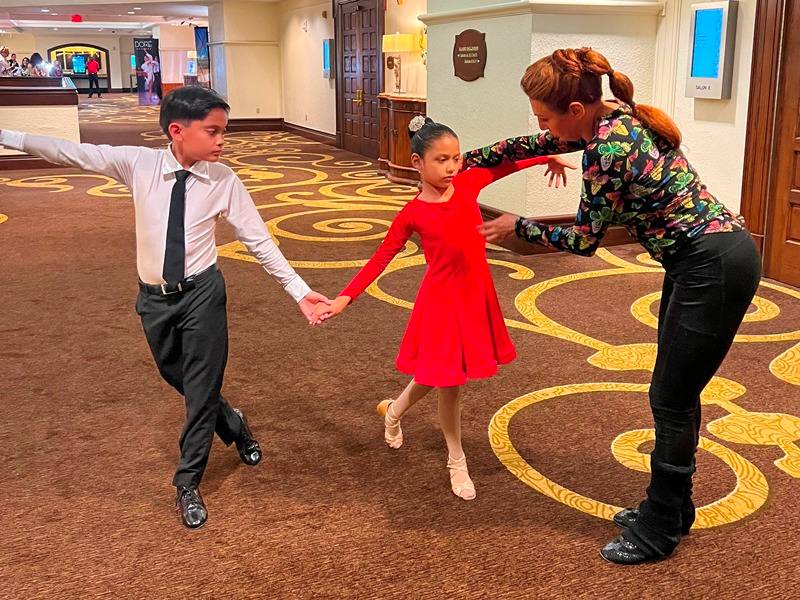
395	240
478	178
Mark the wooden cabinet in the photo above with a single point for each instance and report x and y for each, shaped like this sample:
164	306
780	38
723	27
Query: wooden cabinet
394	159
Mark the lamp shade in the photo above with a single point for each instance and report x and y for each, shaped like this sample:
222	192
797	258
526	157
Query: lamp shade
398	42
191	54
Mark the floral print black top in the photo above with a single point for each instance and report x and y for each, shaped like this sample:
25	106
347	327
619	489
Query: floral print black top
631	177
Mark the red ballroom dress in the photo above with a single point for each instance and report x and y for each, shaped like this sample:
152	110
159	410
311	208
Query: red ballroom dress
456	329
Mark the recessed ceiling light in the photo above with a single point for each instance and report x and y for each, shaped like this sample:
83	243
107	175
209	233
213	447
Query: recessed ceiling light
130	12
45	10
136	8
55	28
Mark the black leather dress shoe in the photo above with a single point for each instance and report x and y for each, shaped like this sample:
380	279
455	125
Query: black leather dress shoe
190	504
249	450
627	517
623	552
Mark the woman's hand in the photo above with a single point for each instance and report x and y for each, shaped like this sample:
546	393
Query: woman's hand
556	168
499	229
326	311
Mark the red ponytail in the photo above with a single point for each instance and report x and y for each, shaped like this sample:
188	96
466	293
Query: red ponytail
574	75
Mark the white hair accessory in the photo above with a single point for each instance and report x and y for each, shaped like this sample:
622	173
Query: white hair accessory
416	123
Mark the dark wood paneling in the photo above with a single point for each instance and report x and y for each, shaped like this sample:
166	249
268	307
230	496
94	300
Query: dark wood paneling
359	27
782	235
38	97
760	142
30	82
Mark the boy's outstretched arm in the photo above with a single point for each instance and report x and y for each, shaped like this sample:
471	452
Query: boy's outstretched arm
113	161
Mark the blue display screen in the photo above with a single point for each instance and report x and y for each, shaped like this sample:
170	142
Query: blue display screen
79	63
706	42
326	55
133	62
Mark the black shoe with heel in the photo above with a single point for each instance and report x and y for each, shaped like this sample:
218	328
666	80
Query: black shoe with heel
246	444
190	505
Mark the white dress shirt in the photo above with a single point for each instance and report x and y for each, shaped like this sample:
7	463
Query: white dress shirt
213	191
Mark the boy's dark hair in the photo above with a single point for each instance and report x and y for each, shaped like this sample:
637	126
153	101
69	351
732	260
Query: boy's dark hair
422	138
190	103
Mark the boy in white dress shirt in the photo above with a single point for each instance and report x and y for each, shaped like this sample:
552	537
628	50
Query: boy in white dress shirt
178	194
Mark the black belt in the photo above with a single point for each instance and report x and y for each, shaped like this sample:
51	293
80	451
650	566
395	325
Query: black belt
165	289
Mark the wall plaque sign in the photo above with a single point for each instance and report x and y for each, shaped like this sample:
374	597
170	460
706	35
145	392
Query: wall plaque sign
469	55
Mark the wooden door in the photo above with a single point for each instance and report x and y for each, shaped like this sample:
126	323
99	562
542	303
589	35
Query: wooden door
359	77
782	239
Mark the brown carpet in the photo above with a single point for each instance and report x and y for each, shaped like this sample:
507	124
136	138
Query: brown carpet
88	438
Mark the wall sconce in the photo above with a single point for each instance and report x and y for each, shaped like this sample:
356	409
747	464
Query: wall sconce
395	44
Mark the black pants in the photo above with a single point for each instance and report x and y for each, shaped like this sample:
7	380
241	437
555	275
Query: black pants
708	287
94	83
188	336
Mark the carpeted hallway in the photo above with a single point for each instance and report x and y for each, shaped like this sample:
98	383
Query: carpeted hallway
88	441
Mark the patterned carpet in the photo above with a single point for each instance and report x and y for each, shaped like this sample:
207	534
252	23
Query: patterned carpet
556	442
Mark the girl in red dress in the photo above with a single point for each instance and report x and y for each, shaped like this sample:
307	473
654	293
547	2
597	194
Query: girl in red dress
456	330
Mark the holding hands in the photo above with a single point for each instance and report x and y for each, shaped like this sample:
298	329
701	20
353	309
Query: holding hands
324	311
310	303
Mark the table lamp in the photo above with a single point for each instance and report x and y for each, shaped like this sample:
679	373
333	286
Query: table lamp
394	44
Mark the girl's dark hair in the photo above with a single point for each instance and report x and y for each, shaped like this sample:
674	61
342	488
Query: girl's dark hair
189	103
430	131
573	75
36	59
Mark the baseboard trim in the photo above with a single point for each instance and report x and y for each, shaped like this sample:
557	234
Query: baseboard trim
20	162
615	236
312	134
268	124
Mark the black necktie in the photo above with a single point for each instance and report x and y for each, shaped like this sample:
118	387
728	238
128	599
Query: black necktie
175	251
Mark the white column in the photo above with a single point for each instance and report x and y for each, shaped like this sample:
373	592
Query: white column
245	57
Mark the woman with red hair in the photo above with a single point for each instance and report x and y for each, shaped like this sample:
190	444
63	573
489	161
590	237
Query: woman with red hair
635	175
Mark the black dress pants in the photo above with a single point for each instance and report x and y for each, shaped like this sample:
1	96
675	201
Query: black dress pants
188	336
708	287
94	84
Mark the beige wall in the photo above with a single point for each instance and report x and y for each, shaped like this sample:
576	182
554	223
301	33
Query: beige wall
309	100
403	19
174	42
245	57
119	48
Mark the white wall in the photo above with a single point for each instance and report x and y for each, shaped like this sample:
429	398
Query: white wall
490	108
403	19
628	41
309	100
652	49
709	126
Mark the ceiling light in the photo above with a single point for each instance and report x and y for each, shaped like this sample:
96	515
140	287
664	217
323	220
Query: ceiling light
136	8
45	10
130	12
